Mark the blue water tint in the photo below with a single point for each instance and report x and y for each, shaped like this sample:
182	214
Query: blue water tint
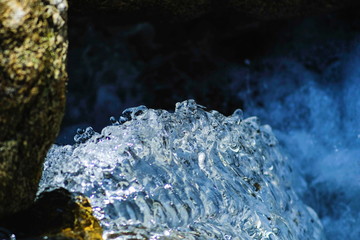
190	174
316	117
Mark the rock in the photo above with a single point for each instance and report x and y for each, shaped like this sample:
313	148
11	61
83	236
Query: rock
188	174
33	46
57	215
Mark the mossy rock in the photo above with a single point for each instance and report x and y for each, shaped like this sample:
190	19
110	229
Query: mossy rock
33	46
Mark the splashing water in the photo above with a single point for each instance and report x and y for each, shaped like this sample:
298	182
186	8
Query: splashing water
190	174
316	118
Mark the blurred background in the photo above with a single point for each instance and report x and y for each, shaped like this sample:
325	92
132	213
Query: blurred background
300	75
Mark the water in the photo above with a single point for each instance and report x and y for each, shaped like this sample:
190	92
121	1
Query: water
316	118
188	174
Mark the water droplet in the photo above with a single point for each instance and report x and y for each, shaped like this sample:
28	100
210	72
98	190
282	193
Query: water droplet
276	230
80	131
113	120
90	131
83	135
123	119
133	113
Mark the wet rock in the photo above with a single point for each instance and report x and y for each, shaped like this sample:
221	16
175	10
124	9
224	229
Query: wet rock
57	215
33	46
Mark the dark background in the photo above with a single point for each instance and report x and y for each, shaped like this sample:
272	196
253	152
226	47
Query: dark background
114	63
297	74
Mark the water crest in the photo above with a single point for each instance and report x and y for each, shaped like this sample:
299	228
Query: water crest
190	174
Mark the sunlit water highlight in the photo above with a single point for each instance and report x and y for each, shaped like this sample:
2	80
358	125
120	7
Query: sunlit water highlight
189	174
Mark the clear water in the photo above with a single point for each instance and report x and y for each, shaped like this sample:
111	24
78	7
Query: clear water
190	174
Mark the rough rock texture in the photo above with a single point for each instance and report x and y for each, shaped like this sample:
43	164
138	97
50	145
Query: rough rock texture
190	9
33	46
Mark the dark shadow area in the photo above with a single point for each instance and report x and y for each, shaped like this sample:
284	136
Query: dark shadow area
116	62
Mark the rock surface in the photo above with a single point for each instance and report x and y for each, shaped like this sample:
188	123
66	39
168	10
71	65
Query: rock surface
189	174
33	46
55	215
